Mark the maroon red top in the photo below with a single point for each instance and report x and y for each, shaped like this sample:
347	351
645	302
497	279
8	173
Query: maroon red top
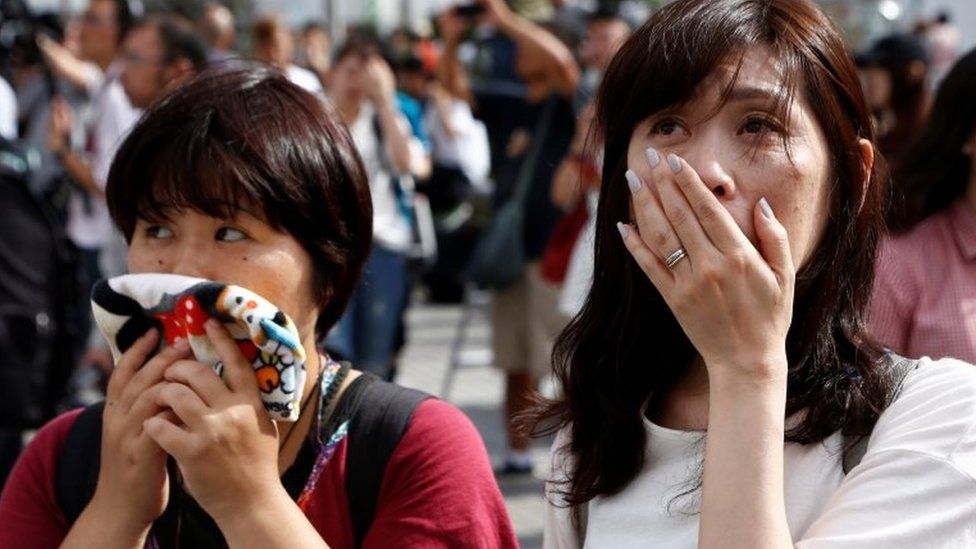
438	491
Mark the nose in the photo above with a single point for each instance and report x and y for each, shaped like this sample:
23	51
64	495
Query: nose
190	258
710	163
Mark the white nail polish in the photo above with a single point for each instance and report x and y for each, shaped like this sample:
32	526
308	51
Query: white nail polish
632	181
653	158
674	163
624	231
764	207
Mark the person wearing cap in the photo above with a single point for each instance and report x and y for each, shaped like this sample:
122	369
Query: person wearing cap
894	72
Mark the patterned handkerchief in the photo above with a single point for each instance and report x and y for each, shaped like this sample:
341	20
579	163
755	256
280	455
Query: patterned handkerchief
125	307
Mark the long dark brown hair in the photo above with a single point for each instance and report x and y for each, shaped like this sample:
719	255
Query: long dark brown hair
934	171
625	348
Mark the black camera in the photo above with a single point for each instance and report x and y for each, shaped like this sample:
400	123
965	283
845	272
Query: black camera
19	29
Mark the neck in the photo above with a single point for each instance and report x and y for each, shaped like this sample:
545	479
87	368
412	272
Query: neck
684	406
103	62
349	109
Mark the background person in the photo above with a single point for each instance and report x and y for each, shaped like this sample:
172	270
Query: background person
364	93
895	71
216	24
274	44
926	284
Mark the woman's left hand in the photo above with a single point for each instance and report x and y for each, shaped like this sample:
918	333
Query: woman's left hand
227	446
733	300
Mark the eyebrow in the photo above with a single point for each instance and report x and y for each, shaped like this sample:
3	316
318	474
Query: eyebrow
747	93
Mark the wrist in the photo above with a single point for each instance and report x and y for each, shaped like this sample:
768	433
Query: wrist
248	508
115	520
384	102
760	374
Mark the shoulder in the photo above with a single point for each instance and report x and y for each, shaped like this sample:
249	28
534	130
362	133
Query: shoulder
903	249
933	414
438	488
437	428
49	440
303	78
28	506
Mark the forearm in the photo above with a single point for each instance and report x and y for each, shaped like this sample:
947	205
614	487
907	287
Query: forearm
443	106
451	74
101	527
395	139
79	171
742	493
547	53
263	522
65	65
567	187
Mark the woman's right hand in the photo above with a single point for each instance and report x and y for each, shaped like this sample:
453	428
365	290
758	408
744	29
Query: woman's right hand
133	485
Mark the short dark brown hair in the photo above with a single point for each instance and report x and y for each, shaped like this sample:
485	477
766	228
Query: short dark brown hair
247	139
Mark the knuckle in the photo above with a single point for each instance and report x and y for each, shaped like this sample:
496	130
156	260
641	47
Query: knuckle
660	239
679	217
707	212
738	260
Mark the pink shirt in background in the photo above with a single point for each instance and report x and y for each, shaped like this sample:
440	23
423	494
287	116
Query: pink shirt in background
924	301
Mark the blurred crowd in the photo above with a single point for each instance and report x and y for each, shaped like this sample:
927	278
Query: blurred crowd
494	112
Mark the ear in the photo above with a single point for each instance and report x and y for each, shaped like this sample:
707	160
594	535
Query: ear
867	167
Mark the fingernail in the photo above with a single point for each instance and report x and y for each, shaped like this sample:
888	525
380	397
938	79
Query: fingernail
624	230
653	158
674	162
181	344
632	181
765	209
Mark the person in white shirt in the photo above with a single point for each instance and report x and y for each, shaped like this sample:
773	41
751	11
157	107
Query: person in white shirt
274	44
363	91
103	27
8	111
719	386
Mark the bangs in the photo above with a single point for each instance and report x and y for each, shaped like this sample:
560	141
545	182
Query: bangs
196	166
205	181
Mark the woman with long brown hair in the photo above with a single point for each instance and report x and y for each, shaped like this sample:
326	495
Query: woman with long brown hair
719	386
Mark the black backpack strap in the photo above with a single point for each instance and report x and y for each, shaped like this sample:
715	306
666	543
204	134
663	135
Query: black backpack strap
856	446
76	473
379	414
